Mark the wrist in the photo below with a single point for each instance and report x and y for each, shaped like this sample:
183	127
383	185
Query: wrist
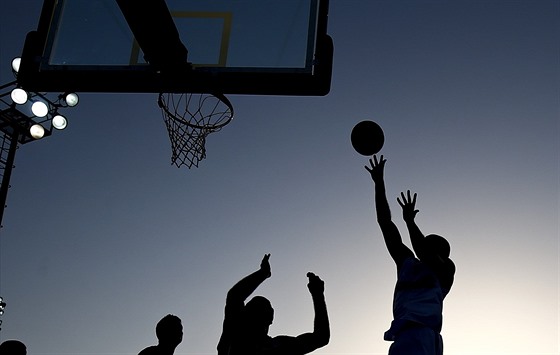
318	294
265	273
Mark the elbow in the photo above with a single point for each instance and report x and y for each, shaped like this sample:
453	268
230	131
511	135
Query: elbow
324	339
384	221
327	338
323	336
232	296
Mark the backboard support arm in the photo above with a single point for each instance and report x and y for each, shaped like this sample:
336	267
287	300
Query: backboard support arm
156	33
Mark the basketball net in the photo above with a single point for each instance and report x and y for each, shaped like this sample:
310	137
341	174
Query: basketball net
189	119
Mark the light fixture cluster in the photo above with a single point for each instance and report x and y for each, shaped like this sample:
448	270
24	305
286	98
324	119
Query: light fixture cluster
2	308
44	111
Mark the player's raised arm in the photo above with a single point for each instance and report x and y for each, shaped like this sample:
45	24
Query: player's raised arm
432	249
409	211
235	303
391	235
320	336
321	328
246	286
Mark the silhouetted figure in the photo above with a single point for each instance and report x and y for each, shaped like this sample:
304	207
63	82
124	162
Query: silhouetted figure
422	281
245	328
169	332
13	347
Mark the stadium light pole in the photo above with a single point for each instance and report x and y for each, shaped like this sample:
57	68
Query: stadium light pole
26	117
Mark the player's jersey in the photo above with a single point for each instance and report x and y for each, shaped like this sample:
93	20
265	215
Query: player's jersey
418	299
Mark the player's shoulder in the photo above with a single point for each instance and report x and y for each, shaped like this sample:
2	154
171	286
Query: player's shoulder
450	266
448	276
150	350
285	344
282	339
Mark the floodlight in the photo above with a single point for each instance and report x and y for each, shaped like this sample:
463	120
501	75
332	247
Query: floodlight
71	99
39	109
59	122
37	131
16	62
19	96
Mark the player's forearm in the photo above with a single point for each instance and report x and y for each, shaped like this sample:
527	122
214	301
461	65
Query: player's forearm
381	205
321	327
247	285
416	236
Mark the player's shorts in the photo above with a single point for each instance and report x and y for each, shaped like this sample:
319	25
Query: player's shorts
417	341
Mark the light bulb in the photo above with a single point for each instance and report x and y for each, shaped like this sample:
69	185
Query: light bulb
39	109
19	96
16	62
37	131
71	99
59	122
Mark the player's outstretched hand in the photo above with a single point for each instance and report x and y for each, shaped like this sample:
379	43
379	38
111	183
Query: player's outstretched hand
376	168
265	265
408	205
315	284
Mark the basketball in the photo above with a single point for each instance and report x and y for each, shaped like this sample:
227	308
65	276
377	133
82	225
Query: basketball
367	138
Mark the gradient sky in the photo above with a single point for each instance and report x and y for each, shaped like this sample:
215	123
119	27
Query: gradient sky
102	236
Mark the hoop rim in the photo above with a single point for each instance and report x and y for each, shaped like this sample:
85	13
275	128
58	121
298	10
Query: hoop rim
162	103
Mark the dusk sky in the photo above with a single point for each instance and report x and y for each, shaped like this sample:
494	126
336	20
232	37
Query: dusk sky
102	236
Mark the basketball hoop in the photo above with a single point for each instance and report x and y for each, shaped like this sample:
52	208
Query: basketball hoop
189	119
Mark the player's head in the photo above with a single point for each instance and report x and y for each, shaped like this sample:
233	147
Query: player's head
259	312
437	246
13	347
169	330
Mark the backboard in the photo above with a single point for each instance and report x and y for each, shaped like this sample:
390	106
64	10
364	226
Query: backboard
255	47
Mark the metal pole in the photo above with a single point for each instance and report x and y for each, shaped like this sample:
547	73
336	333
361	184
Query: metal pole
7	173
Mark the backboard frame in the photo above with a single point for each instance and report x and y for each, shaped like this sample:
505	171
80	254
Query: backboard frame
36	74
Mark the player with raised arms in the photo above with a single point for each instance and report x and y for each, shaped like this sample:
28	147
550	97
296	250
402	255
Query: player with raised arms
245	327
424	277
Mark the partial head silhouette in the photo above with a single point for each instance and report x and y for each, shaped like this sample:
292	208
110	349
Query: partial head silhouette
438	245
13	347
169	330
259	311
